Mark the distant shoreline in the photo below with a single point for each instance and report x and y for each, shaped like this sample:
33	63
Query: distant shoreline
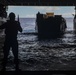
35	18
26	18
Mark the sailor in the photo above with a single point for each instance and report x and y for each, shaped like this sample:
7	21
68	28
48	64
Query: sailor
11	30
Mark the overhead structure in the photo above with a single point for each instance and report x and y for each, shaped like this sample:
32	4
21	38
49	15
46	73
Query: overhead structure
39	2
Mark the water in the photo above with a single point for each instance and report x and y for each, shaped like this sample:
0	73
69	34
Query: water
53	54
28	24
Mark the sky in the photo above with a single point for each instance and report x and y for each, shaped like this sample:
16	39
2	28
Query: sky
31	11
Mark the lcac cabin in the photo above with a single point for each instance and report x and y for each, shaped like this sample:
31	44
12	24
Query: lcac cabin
49	25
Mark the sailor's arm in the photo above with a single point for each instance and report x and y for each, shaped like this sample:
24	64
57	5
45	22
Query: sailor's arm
19	27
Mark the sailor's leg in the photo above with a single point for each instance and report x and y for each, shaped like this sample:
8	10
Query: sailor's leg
15	53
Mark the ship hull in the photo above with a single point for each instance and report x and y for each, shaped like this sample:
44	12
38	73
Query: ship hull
3	14
2	20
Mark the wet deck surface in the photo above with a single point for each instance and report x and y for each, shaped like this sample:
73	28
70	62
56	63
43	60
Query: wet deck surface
43	55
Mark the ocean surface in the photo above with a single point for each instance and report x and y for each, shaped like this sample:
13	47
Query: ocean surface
44	55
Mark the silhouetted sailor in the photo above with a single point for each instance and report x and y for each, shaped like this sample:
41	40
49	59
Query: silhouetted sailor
11	30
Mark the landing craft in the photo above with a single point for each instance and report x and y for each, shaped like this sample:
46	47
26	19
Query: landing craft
75	20
49	25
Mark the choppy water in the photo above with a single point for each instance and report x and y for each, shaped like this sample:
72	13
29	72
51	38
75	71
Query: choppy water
53	54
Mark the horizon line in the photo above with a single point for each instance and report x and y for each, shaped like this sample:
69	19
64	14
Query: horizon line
35	17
